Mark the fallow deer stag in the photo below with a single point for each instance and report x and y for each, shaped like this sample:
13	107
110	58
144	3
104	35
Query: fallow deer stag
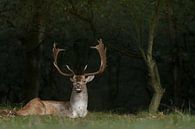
77	106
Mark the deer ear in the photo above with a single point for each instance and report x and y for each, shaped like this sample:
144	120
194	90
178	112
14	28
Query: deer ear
89	78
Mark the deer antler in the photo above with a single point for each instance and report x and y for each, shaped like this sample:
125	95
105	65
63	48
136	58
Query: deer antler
102	52
55	55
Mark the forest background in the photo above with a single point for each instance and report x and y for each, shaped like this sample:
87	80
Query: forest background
150	52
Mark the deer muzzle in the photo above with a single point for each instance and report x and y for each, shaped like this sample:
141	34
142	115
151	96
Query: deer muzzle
78	88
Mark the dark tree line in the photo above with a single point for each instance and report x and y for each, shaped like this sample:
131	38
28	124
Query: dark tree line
150	51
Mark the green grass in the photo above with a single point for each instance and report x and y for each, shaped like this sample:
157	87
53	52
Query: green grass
102	121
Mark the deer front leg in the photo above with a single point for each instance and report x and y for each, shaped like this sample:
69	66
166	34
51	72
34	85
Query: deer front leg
83	114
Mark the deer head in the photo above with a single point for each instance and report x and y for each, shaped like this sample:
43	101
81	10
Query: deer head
80	81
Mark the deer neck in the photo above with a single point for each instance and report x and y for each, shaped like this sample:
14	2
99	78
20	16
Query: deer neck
79	102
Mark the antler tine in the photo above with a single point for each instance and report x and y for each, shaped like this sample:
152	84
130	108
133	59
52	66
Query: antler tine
70	69
85	67
102	52
56	51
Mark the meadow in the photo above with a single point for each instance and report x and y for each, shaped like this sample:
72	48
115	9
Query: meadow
102	120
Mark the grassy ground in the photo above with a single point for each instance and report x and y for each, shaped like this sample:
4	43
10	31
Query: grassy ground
101	121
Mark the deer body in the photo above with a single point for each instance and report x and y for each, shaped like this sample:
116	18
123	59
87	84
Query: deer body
77	106
41	107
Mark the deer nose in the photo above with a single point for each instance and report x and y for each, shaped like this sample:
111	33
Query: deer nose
78	87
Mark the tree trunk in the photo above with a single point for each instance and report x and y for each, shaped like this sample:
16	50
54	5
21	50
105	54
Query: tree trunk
153	74
154	82
32	74
32	46
175	52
